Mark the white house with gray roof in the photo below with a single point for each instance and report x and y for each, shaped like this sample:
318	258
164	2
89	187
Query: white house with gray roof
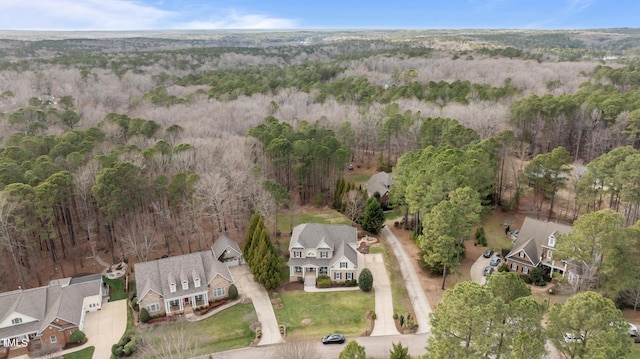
534	247
46	316
175	284
324	249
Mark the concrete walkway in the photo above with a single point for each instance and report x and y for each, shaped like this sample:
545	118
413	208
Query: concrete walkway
248	288
384	323
191	317
414	287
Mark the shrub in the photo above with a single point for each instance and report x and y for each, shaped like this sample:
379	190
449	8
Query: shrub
117	350
365	280
395	315
536	276
323	282
77	336
144	315
373	316
503	267
481	237
233	291
504	252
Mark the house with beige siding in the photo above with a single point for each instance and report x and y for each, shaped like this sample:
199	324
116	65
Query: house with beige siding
31	319
169	286
324	249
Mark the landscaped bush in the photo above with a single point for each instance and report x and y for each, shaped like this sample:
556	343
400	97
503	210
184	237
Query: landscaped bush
365	280
323	282
481	237
117	350
233	292
144	315
77	336
537	276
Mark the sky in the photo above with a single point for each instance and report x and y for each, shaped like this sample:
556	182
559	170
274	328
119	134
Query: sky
103	15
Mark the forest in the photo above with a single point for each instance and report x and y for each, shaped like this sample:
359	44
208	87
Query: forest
134	146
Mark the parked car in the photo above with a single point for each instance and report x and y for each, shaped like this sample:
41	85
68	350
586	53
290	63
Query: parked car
334	338
571	338
488	253
633	333
488	270
494	261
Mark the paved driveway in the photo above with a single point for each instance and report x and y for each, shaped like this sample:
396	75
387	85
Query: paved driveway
414	287
248	288
384	323
477	269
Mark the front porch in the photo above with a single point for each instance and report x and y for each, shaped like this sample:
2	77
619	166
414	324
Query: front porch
308	272
186	305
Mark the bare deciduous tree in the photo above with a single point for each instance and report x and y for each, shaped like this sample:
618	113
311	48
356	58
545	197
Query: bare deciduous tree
296	349
140	239
354	202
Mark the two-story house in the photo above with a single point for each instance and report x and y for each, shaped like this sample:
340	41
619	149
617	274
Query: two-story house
535	245
324	249
170	285
47	316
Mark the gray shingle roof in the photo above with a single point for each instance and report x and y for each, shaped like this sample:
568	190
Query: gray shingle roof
224	243
60	299
379	182
340	238
155	275
533	235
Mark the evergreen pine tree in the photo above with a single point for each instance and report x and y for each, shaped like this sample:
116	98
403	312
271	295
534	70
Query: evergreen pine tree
249	236
373	217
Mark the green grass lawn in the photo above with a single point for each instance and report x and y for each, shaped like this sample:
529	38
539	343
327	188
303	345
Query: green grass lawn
328	216
635	352
85	353
401	302
226	330
359	178
342	312
395	213
117	289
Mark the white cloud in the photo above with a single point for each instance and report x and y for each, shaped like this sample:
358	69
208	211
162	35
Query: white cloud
239	21
122	15
578	5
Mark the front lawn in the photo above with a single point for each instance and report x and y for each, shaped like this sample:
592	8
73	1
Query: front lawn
85	353
117	289
223	331
324	313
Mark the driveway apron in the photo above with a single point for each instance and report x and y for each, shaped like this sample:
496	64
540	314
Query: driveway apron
384	323
248	288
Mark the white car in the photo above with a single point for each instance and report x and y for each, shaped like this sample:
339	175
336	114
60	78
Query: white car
571	338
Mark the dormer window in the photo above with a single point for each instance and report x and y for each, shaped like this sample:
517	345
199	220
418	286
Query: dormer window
172	287
323	254
196	282
15	321
297	254
185	284
552	241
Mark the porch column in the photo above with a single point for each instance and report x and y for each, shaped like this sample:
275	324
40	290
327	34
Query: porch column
181	303
167	307
206	297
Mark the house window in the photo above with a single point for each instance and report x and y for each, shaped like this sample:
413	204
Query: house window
514	266
552	241
174	303
525	270
16	320
349	276
549	254
343	265
185	285
53	339
521	254
172	287
323	254
218	292
298	269
297	254
337	276
153	307
196	282
199	297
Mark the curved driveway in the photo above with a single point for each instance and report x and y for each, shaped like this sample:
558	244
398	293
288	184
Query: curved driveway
477	269
414	287
247	287
384	323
